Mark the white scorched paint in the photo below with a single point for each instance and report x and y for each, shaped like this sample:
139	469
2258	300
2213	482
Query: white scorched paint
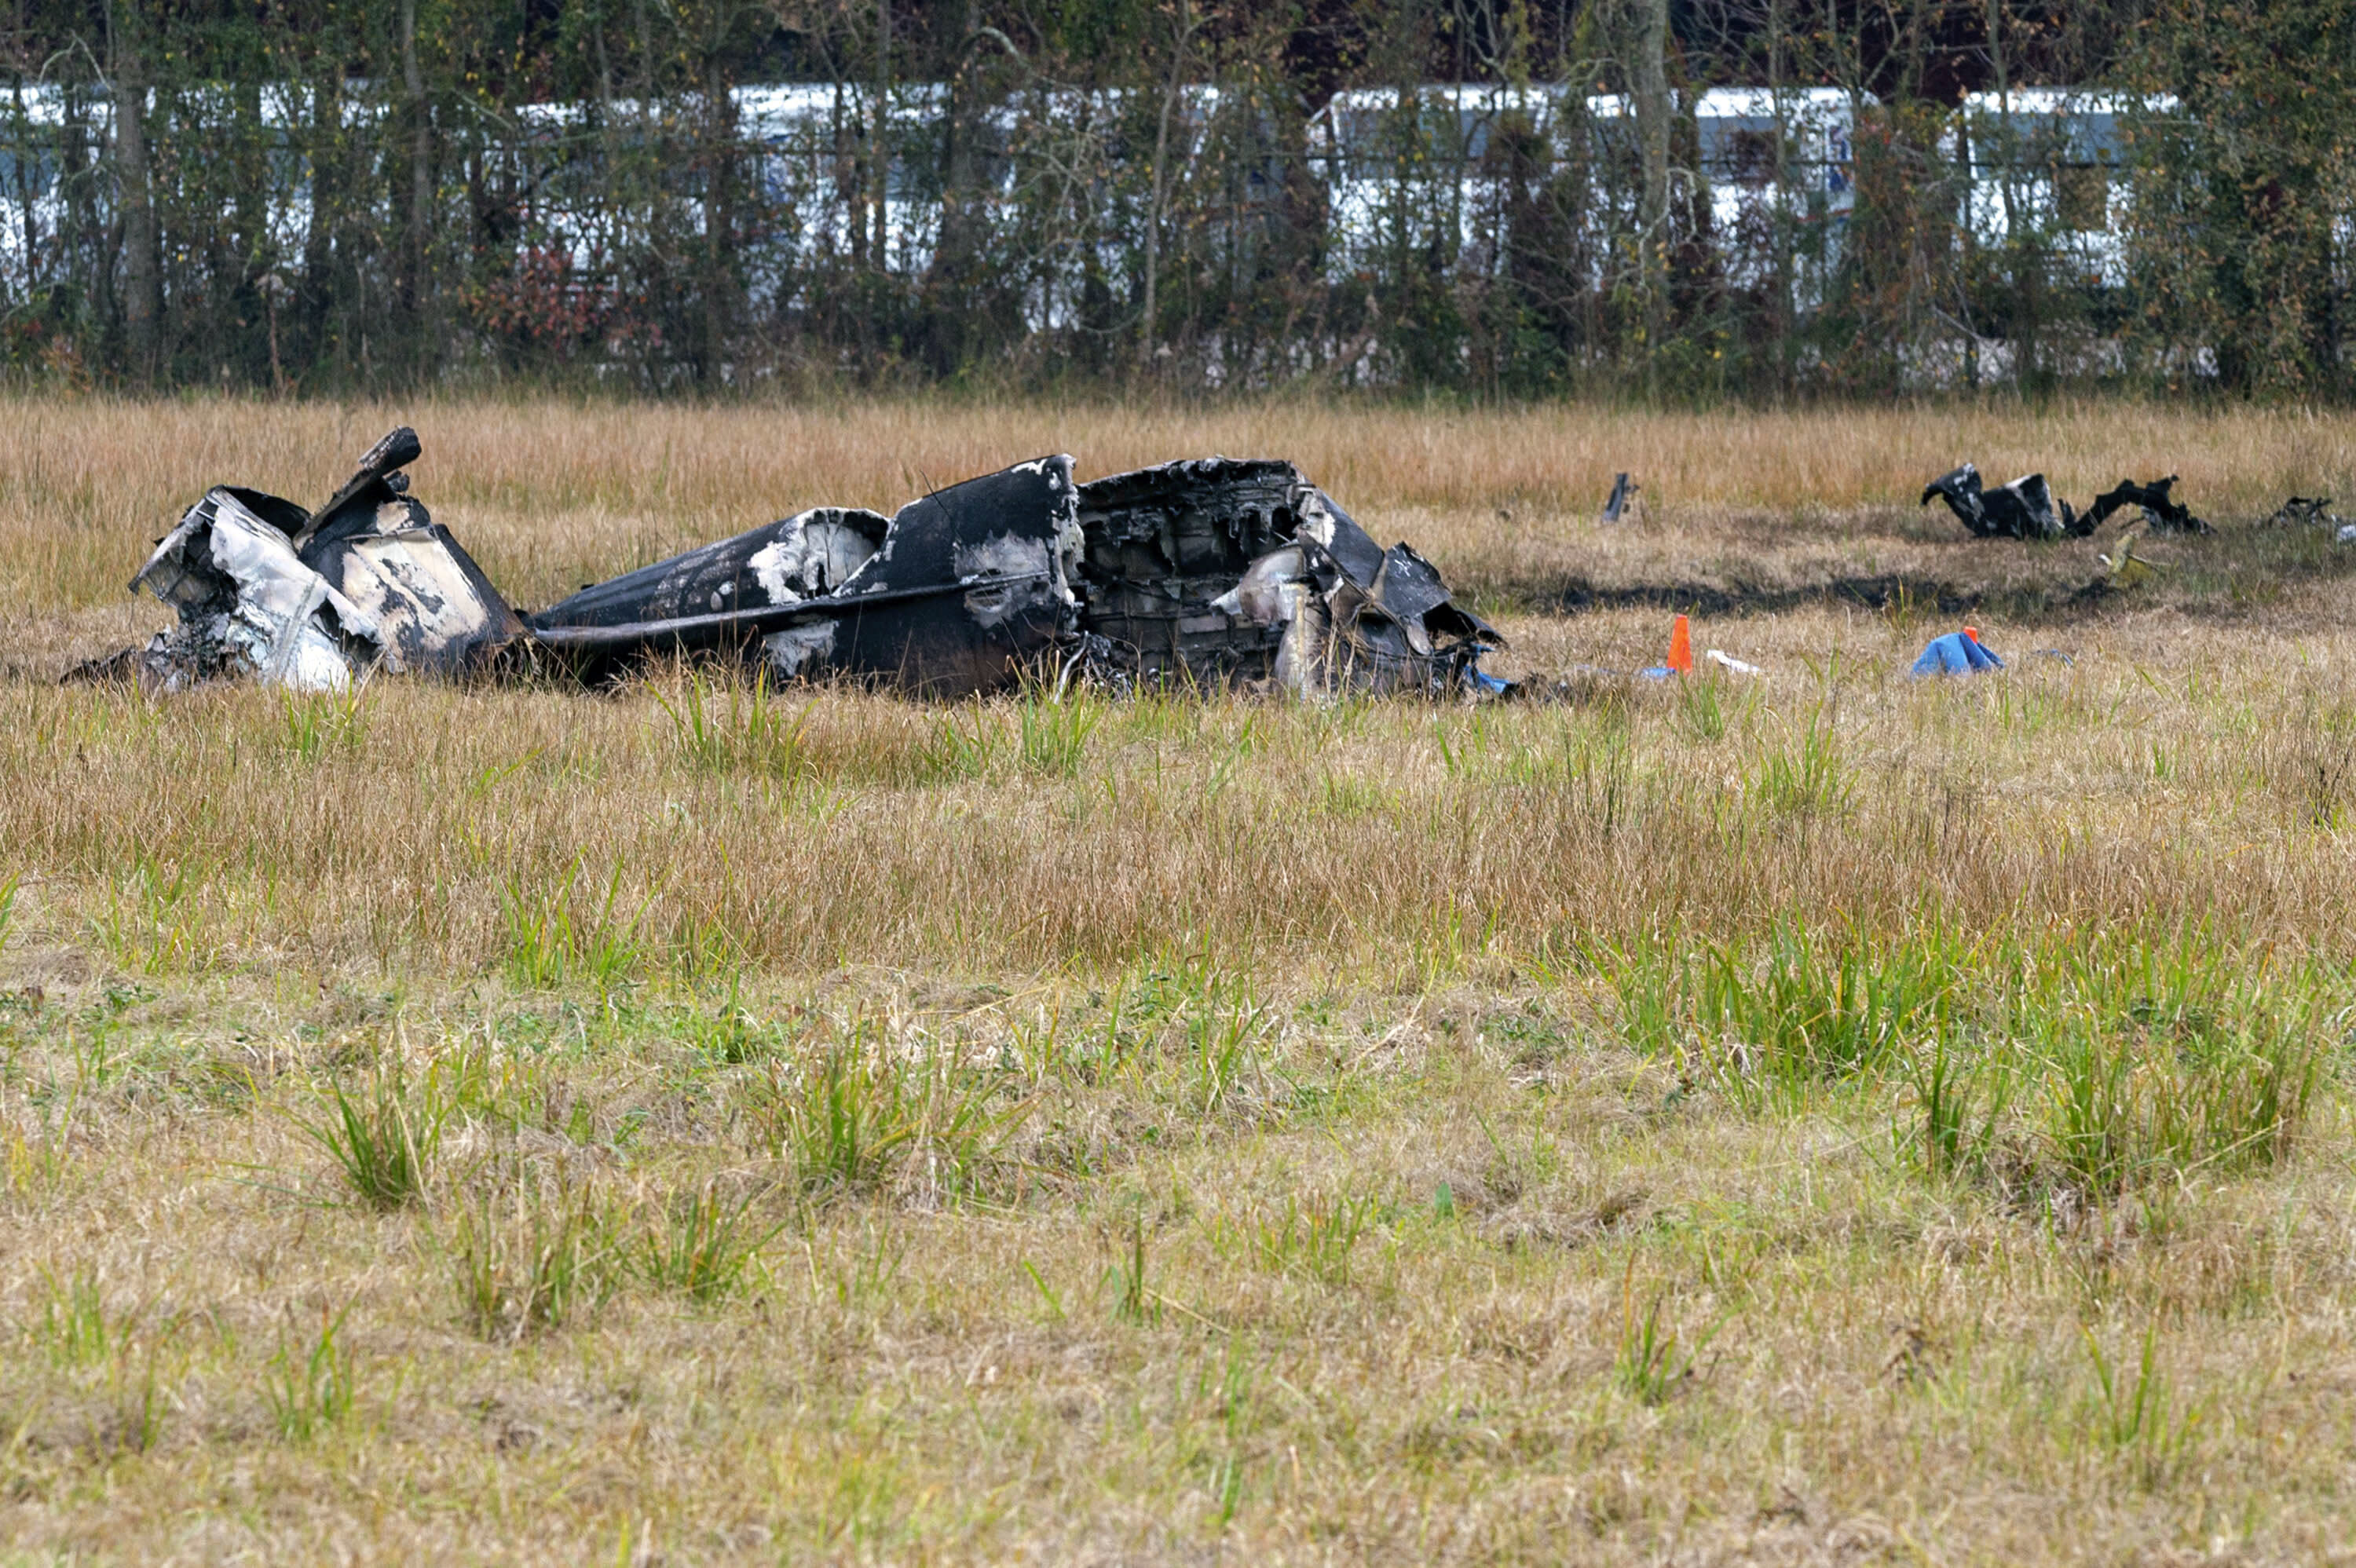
798	648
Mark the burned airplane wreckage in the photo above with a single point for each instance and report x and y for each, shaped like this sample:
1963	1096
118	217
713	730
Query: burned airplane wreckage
2026	509
1209	572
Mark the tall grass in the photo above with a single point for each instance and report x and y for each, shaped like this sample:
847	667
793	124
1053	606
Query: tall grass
2134	1412
383	1141
311	1382
703	1245
1791	1009
723	726
526	1256
2142	1061
555	934
852	1113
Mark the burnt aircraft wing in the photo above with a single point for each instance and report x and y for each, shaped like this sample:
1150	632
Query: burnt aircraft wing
777	565
955	594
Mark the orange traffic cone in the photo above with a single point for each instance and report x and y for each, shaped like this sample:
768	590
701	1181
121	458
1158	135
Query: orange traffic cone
1972	632
1681	647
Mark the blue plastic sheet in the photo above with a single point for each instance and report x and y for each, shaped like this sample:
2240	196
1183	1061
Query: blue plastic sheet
1955	653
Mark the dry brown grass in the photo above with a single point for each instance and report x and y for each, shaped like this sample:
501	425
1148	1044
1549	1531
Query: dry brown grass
549	495
1362	1026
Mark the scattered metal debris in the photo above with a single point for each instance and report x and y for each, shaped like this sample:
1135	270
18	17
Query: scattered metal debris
1210	572
1347	613
2313	512
2161	512
2024	509
1623	493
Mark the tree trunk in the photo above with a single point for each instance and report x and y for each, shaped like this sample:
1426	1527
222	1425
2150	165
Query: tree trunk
2021	269
1786	218
142	306
326	203
950	297
717	317
1151	319
1648	69
878	151
415	287
17	124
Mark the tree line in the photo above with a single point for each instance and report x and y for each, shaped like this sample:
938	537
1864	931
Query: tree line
1485	197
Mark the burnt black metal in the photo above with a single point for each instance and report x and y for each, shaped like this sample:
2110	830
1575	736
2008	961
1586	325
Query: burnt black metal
2162	512
1159	544
1351	547
1616	504
1221	570
2306	511
377	544
1212	571
960	590
781	565
2024	509
375	480
266	589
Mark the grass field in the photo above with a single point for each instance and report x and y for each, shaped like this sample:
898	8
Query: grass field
1822	1117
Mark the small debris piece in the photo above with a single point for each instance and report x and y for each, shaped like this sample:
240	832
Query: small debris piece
2306	512
1623	491
2125	568
1731	665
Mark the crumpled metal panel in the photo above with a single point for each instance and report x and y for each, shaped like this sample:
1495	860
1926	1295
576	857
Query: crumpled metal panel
2162	512
2024	509
248	604
313	601
435	611
1221	569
